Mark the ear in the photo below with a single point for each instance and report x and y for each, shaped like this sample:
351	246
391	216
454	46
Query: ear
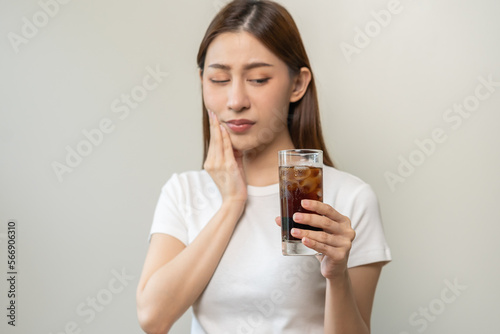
201	75
300	84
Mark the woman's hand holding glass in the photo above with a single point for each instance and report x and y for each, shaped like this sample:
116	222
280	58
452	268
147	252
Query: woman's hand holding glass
225	164
333	243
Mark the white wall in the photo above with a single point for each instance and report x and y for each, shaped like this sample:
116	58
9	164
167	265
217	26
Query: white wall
77	233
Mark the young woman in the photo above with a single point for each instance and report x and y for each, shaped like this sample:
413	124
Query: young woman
214	243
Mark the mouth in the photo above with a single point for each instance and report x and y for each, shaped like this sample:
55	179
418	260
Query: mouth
239	125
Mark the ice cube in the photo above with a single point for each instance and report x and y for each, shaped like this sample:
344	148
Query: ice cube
308	185
291	186
301	173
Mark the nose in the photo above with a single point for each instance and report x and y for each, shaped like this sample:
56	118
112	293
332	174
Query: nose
237	99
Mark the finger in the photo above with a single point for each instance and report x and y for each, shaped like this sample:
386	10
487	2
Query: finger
333	240
335	247
323	209
335	254
211	143
233	157
227	145
323	222
216	139
229	164
278	220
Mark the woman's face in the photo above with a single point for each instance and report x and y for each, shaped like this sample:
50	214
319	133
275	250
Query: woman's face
248	88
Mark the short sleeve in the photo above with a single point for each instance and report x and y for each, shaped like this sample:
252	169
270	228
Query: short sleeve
168	218
370	245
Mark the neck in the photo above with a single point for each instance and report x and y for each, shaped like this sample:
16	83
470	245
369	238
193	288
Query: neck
261	163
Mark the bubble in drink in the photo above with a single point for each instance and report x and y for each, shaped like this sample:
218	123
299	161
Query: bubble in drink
298	183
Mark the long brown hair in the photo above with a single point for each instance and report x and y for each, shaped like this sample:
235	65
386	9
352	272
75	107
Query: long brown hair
274	27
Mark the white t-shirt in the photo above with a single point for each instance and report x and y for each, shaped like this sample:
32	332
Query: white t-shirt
255	289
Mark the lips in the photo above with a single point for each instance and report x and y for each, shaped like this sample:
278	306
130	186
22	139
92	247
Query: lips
239	125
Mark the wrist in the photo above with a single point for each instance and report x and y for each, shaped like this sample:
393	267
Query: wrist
340	279
233	205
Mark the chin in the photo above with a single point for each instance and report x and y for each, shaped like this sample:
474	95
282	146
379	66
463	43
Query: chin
242	144
242	147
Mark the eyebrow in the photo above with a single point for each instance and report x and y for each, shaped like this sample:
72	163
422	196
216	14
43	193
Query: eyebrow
246	67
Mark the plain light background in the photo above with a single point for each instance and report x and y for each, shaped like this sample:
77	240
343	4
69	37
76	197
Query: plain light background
75	235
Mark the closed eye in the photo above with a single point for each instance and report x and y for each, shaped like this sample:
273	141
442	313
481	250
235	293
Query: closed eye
219	81
260	81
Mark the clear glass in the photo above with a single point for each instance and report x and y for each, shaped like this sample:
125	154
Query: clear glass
300	177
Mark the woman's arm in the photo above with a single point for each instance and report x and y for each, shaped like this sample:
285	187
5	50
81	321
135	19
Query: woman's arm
349	292
174	275
349	300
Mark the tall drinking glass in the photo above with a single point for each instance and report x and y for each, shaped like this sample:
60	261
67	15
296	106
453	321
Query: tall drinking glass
300	177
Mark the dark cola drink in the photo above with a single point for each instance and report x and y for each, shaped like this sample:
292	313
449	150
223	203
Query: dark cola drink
302	179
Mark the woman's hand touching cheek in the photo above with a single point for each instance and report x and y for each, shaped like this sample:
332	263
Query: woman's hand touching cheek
224	164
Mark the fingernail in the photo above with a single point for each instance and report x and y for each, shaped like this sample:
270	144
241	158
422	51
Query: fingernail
304	202
297	216
294	231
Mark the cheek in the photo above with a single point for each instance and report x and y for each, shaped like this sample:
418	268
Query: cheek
214	98
276	101
276	95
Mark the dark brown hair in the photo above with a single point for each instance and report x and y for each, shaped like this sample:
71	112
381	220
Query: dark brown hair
275	28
